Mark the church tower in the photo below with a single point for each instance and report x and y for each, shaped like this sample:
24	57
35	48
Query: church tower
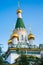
20	27
17	38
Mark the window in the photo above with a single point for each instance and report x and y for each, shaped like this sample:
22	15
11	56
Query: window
22	37
25	38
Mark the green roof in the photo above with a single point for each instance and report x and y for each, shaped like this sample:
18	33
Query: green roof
19	23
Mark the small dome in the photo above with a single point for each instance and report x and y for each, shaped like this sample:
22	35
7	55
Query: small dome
19	11
14	35
31	36
9	41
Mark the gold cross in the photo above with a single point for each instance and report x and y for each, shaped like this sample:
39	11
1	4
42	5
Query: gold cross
18	5
30	28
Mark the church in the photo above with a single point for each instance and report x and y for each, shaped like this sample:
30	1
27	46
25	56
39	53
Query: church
21	40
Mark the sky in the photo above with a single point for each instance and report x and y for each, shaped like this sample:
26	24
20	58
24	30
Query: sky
32	13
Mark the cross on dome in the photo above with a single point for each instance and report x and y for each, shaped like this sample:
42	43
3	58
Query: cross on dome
18	5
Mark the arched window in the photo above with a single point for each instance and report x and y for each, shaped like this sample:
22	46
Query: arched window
25	38
22	37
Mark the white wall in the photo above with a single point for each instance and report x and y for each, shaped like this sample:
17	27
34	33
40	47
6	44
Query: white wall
31	42
15	41
21	32
19	15
11	58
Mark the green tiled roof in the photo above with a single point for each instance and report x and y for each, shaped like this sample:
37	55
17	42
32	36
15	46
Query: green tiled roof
19	23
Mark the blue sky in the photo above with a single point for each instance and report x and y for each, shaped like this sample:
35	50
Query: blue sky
32	14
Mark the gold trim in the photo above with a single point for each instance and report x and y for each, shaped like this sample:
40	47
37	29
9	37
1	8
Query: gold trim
24	49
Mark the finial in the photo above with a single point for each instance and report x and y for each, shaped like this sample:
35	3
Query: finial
30	28
18	5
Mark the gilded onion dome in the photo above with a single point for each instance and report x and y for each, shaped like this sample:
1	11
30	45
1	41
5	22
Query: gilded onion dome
19	11
31	36
14	35
9	41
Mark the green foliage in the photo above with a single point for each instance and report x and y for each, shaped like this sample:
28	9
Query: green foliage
22	60
41	61
1	60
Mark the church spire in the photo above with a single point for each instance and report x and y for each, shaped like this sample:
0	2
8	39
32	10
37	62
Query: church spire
19	23
19	11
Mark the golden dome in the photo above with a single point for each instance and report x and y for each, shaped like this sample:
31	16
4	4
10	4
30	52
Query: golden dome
14	35
9	41
31	36
19	11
